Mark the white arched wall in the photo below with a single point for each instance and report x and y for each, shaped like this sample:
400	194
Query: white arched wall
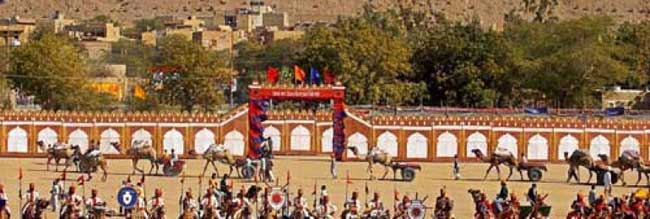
507	142
48	136
326	141
447	145
476	141
417	146
107	137
387	141
17	140
630	143
275	135
568	144
599	145
142	135
360	141
173	139
202	140
300	139
234	141
79	137
537	148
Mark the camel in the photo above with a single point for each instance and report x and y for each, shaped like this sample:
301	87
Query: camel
579	158
142	150
498	158
218	153
89	164
376	156
35	210
629	160
57	153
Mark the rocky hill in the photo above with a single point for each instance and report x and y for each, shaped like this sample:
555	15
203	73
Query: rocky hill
489	11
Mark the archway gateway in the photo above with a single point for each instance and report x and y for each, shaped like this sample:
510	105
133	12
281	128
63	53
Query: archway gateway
259	95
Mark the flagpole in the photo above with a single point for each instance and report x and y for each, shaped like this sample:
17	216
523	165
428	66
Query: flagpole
20	187
180	198
347	182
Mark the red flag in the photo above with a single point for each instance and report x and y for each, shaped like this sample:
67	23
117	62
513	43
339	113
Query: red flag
142	179
81	180
329	77
63	175
395	194
272	74
20	173
299	73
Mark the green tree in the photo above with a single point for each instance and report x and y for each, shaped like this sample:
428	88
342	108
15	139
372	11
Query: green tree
53	70
373	64
149	24
635	38
542	10
200	76
136	56
464	65
568	61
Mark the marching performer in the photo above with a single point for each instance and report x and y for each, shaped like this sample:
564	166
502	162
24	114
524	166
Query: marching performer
189	205
141	205
326	210
94	202
375	206
402	207
72	203
55	194
444	205
31	196
300	204
209	200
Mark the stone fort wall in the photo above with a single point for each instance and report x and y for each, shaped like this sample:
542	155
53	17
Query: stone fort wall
412	138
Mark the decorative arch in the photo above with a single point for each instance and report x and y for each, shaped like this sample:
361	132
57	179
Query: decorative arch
141	135
48	136
629	143
360	141
275	135
447	145
17	140
508	142
107	137
387	141
476	141
79	137
417	146
326	140
599	145
234	141
300	139
568	144
173	139
537	148
202	140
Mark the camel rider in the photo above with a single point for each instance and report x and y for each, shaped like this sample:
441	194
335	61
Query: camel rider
31	196
300	203
141	204
173	157
223	186
323	193
188	201
354	204
72	203
209	201
636	206
483	205
579	205
326	210
402	207
502	196
4	198
93	150
157	202
94	201
375	206
443	204
266	204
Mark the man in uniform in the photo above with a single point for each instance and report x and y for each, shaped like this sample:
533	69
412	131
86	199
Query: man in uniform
444	205
141	205
157	203
5	198
326	210
189	204
353	206
72	203
402	207
55	194
300	204
94	201
375	206
31	196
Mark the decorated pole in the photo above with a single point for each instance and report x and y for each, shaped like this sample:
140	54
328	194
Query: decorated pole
200	188
347	182
144	189
180	198
20	187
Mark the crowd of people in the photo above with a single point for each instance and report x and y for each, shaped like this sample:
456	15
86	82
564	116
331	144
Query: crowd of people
634	205
508	205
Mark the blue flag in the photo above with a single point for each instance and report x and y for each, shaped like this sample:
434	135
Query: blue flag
314	75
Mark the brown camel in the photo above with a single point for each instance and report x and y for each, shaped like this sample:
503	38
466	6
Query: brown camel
376	156
89	164
497	159
142	150
629	160
56	153
218	153
579	158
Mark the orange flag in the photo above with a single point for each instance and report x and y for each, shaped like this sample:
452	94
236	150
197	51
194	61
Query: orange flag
288	176
299	73
348	181
139	92
81	180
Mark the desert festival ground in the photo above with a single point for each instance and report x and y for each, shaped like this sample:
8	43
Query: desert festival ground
305	171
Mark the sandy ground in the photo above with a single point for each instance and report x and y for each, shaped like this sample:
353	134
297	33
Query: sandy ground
305	171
